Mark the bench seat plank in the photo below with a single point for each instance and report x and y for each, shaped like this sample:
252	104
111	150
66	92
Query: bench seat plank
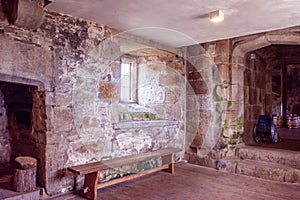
120	161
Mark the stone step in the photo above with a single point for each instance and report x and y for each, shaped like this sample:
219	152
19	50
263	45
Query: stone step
270	155
6	193
229	164
269	171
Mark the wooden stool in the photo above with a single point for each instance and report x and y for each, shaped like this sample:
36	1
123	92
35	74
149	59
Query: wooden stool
25	174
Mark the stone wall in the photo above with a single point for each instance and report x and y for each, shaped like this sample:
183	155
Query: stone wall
242	92
208	83
257	80
246	83
156	119
74	68
73	65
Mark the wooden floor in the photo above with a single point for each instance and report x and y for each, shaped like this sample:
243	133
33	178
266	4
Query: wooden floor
191	182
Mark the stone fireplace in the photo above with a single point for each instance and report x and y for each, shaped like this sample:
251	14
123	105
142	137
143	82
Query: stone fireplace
23	127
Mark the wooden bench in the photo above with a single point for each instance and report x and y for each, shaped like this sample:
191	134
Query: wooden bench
92	170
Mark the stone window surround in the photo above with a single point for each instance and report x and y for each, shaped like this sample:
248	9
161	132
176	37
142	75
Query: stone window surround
144	124
135	108
133	81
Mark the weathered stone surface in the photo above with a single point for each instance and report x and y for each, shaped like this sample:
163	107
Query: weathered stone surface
108	90
203	161
63	119
76	72
89	122
30	14
277	156
199	87
261	170
229	165
272	164
5	146
169	79
39	56
195	50
71	61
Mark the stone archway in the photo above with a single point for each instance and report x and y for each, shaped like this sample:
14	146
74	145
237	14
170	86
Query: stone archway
242	47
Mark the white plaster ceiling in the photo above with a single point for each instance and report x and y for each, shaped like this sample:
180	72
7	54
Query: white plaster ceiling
184	22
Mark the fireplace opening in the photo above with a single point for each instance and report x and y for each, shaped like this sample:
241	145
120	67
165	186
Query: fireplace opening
22	126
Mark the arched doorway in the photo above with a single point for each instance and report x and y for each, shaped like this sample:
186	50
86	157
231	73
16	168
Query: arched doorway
258	56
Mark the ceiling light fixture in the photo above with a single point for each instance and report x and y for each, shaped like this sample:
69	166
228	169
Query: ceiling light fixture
216	16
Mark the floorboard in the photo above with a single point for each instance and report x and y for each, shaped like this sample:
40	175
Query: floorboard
191	182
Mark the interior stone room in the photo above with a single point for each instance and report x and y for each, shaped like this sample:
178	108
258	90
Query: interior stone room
74	91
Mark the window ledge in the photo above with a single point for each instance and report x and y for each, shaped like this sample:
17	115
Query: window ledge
144	124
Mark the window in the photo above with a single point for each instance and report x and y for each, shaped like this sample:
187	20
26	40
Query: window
128	81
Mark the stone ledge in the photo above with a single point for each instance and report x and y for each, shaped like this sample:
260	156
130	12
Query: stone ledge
144	124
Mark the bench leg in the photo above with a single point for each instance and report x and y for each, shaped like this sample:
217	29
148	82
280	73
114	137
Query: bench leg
170	160
90	185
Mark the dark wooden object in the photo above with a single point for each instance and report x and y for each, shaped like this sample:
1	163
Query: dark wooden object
6	178
24	179
92	170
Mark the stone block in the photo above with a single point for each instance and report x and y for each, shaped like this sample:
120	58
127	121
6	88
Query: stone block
224	72
178	66
248	131
194	75
62	119
229	165
261	170
197	141
108	91
247	77
275	156
260	78
203	128
115	68
246	95
237	92
170	79
206	116
199	87
172	95
195	50
205	101
30	14
90	122
223	47
237	74
239	59
62	99
191	103
292	176
253	96
255	111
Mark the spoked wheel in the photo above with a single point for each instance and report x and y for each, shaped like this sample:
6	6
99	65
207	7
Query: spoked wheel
257	138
